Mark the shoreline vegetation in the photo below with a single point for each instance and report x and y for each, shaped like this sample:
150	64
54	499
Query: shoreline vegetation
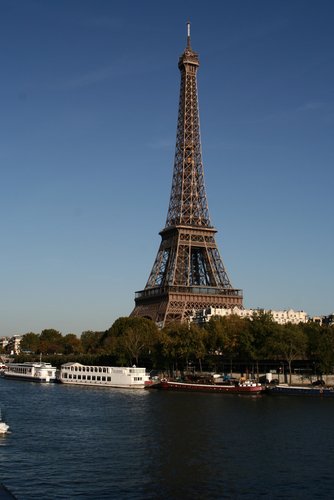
226	345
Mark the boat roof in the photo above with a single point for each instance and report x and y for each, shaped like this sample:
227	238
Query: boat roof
31	363
75	363
71	363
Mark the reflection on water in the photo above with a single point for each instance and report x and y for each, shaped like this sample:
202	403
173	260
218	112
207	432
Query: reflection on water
78	442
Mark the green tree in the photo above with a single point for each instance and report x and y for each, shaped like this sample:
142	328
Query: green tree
199	343
262	328
235	336
72	344
131	338
215	339
313	332
325	350
289	343
183	344
91	342
30	342
51	342
176	346
230	338
247	349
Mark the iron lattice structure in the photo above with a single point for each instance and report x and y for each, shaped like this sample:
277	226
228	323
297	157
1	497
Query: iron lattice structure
188	273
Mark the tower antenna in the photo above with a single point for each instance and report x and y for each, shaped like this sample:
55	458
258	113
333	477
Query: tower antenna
188	35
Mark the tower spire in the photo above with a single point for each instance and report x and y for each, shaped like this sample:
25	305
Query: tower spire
188	273
188	35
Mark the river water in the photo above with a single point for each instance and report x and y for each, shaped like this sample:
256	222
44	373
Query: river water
87	443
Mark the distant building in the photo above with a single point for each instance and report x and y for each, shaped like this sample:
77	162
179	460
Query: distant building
328	320
3	343
317	319
280	317
324	320
11	345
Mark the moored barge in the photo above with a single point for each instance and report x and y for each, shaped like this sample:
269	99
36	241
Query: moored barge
296	390
247	387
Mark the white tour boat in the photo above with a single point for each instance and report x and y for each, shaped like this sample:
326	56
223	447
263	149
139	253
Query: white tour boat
33	372
104	376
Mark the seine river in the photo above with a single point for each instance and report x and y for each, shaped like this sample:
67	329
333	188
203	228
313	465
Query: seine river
77	442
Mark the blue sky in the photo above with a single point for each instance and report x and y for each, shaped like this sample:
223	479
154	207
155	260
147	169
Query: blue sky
89	102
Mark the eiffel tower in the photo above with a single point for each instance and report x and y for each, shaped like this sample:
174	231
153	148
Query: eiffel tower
188	273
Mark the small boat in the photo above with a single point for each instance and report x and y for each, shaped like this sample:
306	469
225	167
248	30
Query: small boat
3	426
104	376
31	371
298	390
198	385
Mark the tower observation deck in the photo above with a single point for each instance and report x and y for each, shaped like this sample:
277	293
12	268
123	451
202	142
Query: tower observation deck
188	273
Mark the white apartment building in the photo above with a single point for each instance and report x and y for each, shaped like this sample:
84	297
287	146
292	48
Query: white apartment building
11	345
281	317
3	343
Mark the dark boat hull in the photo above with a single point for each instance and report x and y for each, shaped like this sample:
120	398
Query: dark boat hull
27	378
217	388
300	391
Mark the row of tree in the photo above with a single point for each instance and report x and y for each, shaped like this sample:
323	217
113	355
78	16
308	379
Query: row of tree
217	344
